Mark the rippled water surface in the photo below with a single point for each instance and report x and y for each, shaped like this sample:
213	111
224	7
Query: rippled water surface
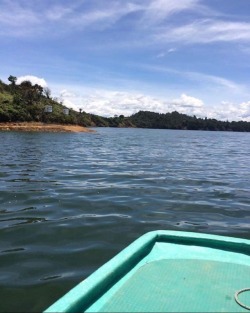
69	202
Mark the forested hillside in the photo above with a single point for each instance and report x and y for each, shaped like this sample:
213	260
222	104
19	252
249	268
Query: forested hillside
32	103
27	103
175	120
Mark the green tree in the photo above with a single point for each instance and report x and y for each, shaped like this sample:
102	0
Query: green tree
12	80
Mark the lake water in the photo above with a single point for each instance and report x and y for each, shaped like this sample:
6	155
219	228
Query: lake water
71	201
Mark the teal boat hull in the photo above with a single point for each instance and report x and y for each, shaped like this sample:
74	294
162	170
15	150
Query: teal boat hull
167	271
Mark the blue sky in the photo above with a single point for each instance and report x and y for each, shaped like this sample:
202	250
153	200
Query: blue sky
120	56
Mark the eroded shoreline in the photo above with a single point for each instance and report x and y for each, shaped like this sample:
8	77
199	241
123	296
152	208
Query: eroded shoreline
41	127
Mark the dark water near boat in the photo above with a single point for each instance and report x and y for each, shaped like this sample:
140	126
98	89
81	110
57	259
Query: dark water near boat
69	202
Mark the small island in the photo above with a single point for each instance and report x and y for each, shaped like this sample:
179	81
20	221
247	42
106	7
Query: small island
28	107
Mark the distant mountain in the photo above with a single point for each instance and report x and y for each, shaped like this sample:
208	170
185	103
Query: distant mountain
27	102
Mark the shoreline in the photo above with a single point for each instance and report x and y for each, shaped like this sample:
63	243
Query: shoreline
41	127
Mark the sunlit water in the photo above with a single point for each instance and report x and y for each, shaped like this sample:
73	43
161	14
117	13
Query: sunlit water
69	202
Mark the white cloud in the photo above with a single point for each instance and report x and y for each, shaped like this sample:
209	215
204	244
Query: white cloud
209	81
58	12
110	103
188	105
101	16
241	111
66	94
34	20
230	111
206	31
33	79
151	20
158	10
164	54
171	50
69	104
23	16
215	80
187	101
